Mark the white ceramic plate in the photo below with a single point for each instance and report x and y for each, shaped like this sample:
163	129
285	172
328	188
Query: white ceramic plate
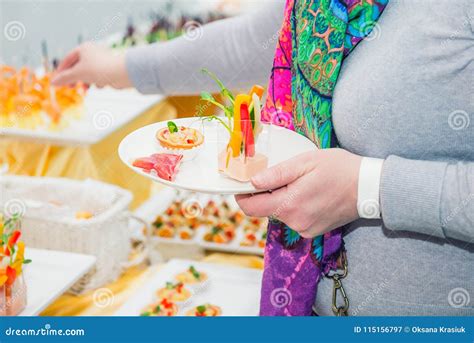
105	111
235	290
50	274
201	173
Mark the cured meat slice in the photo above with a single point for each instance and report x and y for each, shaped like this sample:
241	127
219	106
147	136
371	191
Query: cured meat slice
165	165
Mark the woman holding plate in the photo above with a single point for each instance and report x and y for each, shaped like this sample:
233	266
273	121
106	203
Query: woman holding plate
379	220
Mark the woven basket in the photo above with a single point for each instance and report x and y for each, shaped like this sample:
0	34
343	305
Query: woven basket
49	222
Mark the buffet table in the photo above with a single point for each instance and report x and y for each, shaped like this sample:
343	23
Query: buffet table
98	161
127	285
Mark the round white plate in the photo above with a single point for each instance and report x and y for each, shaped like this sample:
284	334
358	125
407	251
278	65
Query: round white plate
201	173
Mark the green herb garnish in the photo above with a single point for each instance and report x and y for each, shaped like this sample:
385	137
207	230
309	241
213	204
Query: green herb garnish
209	98
158	222
201	309
195	273
224	90
215	230
145	314
172	127
157	309
169	285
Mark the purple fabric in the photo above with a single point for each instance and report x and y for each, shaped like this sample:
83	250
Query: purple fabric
286	288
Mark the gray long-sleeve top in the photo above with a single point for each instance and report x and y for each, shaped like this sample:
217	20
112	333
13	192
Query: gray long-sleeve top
405	95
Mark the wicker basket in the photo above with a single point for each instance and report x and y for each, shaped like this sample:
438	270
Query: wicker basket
49	206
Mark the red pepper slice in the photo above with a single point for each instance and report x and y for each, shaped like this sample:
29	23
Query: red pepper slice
11	275
247	131
12	241
166	304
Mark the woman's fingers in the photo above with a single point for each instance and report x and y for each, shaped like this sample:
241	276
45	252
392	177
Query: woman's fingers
70	60
283	173
262	204
67	77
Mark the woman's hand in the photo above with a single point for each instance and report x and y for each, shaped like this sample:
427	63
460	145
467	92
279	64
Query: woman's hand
92	64
313	193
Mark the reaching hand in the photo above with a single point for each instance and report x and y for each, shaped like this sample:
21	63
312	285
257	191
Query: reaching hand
92	64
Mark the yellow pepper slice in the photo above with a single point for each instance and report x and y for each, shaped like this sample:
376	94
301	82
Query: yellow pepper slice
3	277
20	256
257	89
236	136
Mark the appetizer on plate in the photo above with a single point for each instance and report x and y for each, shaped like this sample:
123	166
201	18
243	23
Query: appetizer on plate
237	217
161	308
263	239
13	296
181	140
206	310
221	234
254	224
162	228
191	276
249	239
240	159
175	292
166	166
252	238
185	233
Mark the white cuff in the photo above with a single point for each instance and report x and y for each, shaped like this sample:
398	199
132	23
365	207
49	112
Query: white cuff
368	203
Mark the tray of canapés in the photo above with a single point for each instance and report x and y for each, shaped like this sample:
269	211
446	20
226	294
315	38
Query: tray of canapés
212	222
32	107
190	288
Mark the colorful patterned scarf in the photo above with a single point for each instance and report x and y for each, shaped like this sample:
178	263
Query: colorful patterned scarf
315	38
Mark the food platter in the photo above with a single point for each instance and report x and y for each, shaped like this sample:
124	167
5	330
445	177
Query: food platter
240	243
201	173
104	111
243	284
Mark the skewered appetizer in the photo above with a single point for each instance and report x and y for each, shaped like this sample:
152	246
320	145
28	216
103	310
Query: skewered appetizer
239	160
175	292
162	308
206	310
28	101
12	258
191	276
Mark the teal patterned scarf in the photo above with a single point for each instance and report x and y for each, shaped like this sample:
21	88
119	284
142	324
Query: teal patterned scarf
315	38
